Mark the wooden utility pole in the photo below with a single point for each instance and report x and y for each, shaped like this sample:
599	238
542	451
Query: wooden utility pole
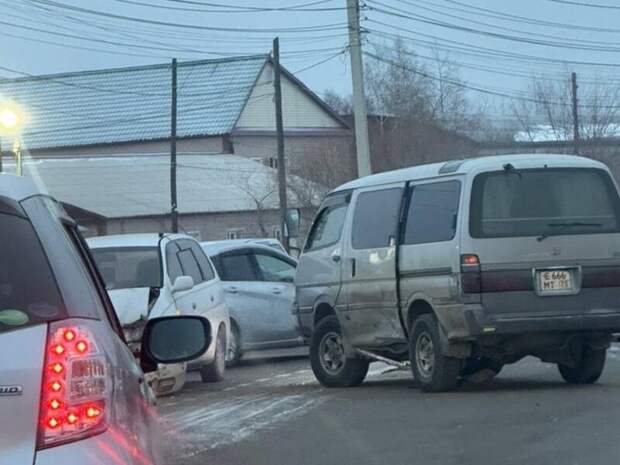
277	84
359	99
174	214
576	139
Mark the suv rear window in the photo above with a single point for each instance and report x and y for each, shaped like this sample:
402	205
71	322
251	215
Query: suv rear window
543	201
28	291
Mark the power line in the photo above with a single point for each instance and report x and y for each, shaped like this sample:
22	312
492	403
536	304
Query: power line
478	88
292	30
589	5
314	65
496	35
489	13
460	45
231	9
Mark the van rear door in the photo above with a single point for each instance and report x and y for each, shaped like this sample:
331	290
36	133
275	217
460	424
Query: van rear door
548	241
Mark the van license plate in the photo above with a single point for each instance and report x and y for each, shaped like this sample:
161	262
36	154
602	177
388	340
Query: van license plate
552	282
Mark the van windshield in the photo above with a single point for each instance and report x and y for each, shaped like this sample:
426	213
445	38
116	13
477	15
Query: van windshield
129	267
541	202
28	291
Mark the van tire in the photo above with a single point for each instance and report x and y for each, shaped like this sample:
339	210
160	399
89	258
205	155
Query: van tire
434	371
588	369
233	350
214	371
327	350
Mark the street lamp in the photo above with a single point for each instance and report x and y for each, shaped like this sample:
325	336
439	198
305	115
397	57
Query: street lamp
11	123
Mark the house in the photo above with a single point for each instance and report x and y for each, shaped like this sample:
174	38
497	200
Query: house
100	141
219	196
224	106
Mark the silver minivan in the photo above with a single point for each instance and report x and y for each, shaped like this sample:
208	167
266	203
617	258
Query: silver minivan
71	391
463	267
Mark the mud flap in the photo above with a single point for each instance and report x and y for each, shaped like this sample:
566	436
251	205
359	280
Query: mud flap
452	348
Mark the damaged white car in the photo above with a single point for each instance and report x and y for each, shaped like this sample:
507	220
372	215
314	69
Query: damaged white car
153	275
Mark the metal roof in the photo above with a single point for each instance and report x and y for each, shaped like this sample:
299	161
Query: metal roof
132	104
469	166
130	186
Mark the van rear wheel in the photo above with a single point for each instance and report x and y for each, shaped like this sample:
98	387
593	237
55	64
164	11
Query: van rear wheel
434	371
329	362
588	368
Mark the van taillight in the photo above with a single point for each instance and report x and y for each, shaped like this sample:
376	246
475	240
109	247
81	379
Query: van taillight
77	382
470	274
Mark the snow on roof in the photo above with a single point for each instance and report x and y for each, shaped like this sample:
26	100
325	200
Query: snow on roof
127	185
546	133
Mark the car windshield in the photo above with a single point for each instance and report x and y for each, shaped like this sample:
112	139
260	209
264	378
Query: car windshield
129	267
543	201
28	290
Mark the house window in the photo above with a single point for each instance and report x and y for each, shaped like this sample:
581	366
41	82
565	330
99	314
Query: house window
234	233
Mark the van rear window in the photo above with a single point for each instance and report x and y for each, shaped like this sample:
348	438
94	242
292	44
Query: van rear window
544	201
28	291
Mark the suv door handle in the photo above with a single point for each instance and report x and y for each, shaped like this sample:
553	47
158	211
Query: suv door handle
353	267
336	257
276	291
231	290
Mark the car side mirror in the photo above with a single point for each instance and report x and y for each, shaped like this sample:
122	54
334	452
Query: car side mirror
174	339
182	283
292	222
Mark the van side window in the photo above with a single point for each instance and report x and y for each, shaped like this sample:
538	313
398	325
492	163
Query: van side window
327	228
432	213
376	218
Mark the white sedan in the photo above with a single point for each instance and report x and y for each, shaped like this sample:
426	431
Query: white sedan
153	275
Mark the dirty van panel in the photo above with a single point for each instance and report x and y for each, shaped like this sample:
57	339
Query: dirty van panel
547	239
318	273
369	268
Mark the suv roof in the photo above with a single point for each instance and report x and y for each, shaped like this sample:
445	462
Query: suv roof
468	166
217	247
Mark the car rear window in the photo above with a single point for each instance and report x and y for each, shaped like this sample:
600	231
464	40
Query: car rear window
28	291
543	201
129	267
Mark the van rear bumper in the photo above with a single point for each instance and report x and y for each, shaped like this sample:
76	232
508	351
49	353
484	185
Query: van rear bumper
480	324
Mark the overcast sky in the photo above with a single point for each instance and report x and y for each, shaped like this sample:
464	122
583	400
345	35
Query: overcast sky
453	26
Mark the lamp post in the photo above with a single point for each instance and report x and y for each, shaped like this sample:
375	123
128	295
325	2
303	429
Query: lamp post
11	121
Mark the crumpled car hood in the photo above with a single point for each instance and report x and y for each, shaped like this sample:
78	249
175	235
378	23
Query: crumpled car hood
131	305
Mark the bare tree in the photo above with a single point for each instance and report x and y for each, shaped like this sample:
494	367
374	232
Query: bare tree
547	112
261	188
343	105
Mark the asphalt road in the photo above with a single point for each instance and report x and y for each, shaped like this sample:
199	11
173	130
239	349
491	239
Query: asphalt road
270	412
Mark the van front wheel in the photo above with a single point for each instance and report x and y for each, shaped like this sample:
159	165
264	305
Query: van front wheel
434	371
329	362
588	369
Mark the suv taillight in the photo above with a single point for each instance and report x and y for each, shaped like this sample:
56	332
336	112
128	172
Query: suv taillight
77	382
470	274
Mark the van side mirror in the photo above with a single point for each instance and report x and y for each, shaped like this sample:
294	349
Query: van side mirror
292	222
182	283
174	339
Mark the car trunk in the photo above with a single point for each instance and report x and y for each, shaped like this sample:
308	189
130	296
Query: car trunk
547	240
21	364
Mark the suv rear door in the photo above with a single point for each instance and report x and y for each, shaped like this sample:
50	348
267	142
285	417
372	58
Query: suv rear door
524	223
29	298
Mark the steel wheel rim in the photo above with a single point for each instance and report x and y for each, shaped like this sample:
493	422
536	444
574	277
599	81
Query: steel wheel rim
231	350
425	354
331	353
